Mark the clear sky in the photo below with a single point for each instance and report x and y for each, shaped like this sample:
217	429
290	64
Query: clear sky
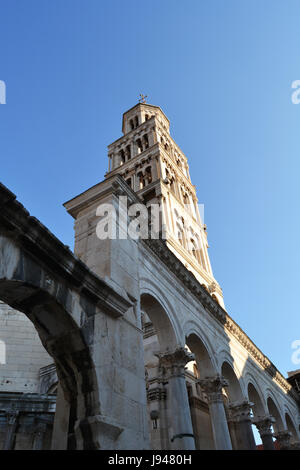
222	72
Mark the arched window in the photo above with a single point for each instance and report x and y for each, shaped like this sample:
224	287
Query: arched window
141	180
139	145
136	120
146	141
128	152
194	248
172	185
146	117
131	124
186	199
128	181
148	175
122	157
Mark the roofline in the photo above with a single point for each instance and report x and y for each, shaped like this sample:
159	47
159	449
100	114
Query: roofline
144	104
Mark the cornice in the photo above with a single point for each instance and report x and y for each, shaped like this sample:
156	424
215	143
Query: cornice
216	311
37	241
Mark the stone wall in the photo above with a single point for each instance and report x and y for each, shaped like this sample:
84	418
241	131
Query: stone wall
24	352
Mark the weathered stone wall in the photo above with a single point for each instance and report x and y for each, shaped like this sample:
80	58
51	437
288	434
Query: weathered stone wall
24	352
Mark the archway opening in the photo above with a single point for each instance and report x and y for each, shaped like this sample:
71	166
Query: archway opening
291	428
199	369
274	412
158	337
257	410
63	340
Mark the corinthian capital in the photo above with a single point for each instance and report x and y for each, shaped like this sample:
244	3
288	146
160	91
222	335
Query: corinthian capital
240	411
173	363
263	424
212	387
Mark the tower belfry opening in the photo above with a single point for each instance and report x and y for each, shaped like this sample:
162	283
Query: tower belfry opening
157	169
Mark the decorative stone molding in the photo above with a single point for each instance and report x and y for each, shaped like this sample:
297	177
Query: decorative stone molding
212	288
263	424
240	411
212	387
156	394
173	363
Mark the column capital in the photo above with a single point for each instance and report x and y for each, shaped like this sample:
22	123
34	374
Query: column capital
212	387
173	363
240	411
263	424
283	438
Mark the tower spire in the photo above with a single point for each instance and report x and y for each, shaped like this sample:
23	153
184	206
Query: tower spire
155	168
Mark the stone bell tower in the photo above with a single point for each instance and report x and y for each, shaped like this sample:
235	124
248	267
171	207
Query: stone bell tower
155	167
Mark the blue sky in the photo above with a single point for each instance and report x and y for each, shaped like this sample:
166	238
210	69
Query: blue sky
222	72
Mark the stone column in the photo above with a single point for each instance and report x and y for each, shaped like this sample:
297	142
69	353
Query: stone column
283	438
61	422
12	423
172	367
39	436
212	387
263	424
240	414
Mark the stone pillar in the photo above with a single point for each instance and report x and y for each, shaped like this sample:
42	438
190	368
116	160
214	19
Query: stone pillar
159	430
212	387
283	438
181	430
61	422
263	424
12	423
39	436
240	415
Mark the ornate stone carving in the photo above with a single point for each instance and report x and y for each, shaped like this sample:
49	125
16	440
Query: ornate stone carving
173	363
212	387
156	394
240	411
212	288
263	424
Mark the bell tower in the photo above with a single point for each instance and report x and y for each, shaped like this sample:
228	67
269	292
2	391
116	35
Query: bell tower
156	169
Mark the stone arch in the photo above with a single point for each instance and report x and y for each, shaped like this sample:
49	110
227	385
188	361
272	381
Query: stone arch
291	427
193	329
160	320
224	355
291	424
167	320
64	341
234	389
255	396
274	410
28	285
200	346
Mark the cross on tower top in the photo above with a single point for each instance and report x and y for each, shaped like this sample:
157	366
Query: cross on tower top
143	98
